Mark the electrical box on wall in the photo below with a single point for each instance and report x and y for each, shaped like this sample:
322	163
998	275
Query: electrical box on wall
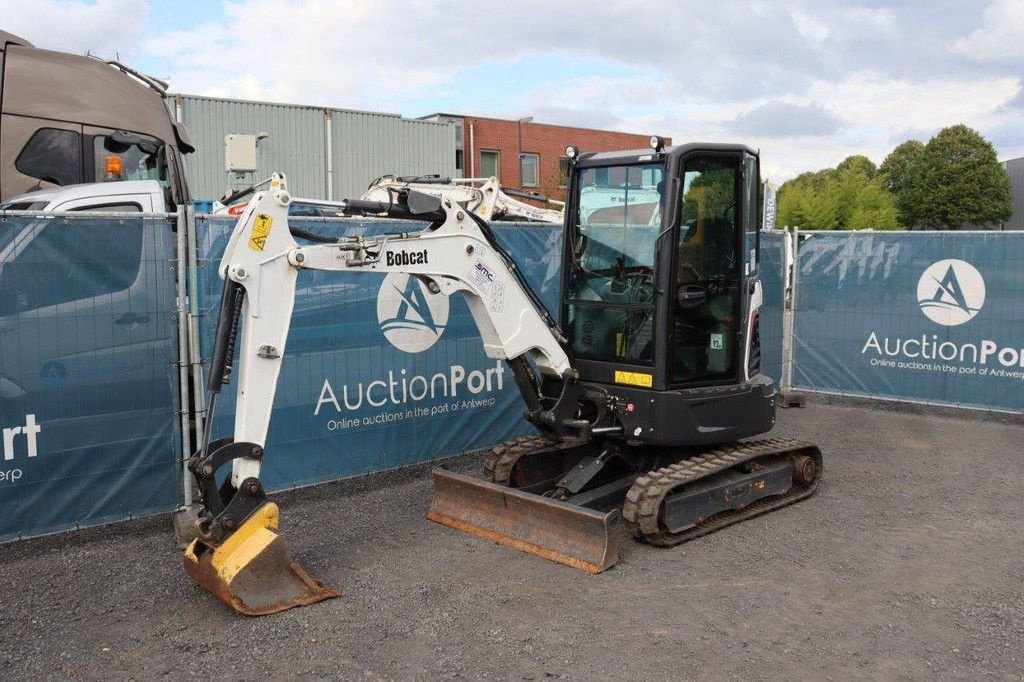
240	153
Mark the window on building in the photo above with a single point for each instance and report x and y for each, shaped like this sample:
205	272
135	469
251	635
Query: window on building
458	161
529	170
490	162
563	171
52	155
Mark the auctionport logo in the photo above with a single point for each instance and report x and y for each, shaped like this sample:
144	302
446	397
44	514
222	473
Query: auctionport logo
411	317
951	292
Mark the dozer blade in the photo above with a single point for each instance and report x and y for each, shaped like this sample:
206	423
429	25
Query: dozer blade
251	571
582	538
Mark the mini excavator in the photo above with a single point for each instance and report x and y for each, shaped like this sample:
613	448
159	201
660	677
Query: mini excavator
641	392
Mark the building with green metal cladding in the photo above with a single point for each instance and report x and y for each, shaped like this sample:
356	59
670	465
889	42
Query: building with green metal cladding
326	153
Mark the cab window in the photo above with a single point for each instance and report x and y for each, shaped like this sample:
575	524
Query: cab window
117	157
610	302
752	217
707	286
52	155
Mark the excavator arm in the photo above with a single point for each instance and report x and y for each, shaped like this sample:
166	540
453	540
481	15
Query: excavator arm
237	555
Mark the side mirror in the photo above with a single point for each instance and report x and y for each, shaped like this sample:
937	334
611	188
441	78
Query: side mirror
691	296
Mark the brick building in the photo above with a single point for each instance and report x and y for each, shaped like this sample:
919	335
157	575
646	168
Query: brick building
524	154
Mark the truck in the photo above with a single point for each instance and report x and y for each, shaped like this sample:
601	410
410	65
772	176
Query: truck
69	119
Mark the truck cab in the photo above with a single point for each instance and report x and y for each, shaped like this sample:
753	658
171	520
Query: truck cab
67	119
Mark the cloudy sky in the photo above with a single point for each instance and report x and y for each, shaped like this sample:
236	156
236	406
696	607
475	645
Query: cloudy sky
809	82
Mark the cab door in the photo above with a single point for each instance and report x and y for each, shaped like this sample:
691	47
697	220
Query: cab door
710	269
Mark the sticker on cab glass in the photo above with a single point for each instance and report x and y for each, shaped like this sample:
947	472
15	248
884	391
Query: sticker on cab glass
634	378
717	342
260	229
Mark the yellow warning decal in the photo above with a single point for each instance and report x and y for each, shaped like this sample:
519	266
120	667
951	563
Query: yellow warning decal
260	230
634	378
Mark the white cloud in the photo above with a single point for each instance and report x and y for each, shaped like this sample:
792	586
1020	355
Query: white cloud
785	73
783	119
1001	37
808	26
103	28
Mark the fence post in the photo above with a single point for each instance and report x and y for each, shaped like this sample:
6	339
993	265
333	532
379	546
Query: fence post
183	353
195	356
790	321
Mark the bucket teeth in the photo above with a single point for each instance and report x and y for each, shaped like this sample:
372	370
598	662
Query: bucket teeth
582	538
252	571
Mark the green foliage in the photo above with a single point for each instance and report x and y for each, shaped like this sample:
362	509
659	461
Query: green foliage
848	197
898	171
874	208
858	163
956	180
714	189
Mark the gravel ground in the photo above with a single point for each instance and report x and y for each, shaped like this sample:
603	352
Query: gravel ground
906	564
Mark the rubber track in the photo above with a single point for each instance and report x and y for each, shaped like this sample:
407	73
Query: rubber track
642	505
502	459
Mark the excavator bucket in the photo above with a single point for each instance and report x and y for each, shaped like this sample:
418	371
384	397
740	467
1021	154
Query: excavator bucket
582	538
251	571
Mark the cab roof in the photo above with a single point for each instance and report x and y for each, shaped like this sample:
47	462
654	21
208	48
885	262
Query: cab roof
631	156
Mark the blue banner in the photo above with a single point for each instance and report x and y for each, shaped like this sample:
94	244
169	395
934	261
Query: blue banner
88	383
377	372
924	316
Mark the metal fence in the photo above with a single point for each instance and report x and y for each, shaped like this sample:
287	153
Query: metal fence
924	317
89	387
103	339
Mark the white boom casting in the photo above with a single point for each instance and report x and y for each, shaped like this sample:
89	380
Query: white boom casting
454	256
483	196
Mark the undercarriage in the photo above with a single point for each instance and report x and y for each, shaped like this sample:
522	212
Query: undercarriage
566	501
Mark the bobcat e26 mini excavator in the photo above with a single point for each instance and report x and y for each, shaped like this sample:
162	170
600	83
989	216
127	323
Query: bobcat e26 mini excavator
640	391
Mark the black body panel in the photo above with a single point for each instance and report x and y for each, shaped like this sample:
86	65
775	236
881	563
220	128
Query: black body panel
695	416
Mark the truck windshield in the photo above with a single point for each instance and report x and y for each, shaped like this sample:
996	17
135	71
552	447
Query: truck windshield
117	160
611	282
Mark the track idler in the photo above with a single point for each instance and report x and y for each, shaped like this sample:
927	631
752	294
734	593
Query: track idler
238	555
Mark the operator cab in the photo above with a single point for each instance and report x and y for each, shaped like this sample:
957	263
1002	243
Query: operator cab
661	265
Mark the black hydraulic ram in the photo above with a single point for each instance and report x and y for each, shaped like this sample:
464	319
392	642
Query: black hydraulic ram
231	301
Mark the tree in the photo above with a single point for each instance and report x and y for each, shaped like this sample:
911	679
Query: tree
959	181
792	205
897	172
874	208
848	197
858	163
